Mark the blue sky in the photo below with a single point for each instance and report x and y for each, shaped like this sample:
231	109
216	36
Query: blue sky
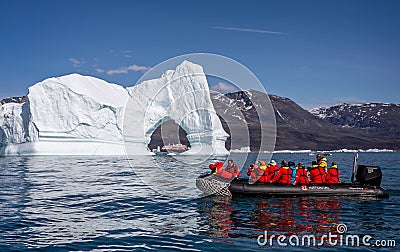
314	52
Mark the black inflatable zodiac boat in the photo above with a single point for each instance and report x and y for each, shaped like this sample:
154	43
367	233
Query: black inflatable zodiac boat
367	184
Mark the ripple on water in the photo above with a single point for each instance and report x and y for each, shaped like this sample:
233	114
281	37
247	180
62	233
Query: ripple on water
91	203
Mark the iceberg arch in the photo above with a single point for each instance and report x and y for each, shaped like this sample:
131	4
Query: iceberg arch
181	95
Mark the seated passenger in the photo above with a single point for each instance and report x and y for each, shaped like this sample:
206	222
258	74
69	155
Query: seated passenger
271	170
284	175
233	168
333	174
292	167
217	169
262	172
301	175
317	173
254	172
322	162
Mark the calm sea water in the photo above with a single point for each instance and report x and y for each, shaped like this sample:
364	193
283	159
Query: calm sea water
100	204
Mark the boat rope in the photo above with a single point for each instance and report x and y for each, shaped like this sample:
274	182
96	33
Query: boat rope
212	186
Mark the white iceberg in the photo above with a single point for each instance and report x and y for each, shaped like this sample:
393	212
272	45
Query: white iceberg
83	115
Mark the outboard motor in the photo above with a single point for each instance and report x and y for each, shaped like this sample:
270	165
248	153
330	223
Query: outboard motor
369	175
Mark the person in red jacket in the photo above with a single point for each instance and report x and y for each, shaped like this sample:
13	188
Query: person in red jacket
317	173
284	175
233	168
262	171
322	162
271	170
333	174
301	175
251	173
218	169
254	172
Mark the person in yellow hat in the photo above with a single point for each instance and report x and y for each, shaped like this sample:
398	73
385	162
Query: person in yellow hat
263	170
322	162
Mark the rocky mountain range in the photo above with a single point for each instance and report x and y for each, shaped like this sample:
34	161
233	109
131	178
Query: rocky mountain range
359	126
383	118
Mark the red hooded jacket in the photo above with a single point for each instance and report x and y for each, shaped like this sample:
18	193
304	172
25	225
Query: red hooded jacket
283	176
218	169
255	173
270	172
301	176
317	175
333	175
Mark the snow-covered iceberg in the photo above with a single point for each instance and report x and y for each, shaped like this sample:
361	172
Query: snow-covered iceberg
83	115
68	115
16	126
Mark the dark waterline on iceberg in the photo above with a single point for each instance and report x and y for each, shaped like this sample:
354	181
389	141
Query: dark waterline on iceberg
98	203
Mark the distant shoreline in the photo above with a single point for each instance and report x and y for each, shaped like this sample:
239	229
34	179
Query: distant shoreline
321	151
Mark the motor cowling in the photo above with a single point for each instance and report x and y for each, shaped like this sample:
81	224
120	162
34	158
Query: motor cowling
369	175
